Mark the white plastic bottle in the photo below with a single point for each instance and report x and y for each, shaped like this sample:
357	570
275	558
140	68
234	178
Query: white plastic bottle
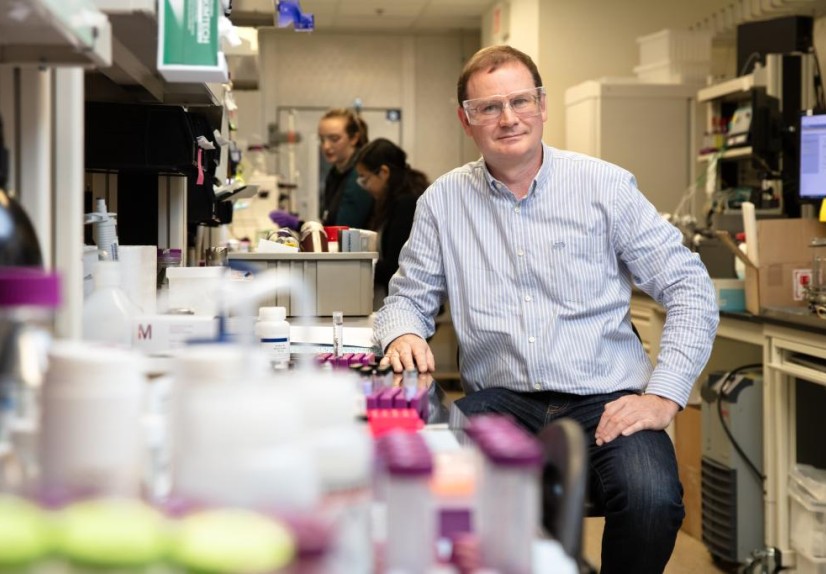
108	313
739	266
273	332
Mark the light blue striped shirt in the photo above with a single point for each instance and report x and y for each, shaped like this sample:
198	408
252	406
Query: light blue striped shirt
539	288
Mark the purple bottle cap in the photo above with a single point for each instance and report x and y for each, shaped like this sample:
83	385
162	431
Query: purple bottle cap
504	443
28	286
406	454
313	535
368	358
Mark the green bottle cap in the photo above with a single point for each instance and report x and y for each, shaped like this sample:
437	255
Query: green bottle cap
25	532
232	541
112	533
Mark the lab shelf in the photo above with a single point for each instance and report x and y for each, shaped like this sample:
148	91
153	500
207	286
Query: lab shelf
734	88
54	32
733	153
133	75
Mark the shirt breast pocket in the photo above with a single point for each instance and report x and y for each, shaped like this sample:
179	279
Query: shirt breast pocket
578	268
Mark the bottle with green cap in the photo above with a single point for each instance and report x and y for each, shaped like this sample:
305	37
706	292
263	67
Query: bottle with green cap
231	541
116	536
26	536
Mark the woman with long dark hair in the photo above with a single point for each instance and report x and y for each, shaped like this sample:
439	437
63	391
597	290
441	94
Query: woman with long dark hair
383	171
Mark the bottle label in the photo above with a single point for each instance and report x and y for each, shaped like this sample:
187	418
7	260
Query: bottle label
277	348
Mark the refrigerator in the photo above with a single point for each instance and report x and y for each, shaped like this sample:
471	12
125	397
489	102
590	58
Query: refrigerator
648	129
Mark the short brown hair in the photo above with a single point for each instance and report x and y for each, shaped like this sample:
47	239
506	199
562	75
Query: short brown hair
489	59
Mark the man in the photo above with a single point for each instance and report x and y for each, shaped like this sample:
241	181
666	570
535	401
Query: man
537	250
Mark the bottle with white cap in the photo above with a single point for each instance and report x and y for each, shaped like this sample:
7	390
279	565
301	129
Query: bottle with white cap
273	333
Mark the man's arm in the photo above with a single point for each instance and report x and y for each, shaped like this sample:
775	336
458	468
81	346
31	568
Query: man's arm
663	267
417	291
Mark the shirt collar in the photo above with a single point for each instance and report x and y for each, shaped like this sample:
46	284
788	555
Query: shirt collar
542	176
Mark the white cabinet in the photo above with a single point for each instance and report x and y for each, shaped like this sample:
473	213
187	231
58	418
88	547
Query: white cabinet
644	128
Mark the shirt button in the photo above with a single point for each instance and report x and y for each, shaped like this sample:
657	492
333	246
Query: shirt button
537	386
520	253
516	209
531	339
528	298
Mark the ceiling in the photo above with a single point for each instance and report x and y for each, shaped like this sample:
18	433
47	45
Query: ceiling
387	15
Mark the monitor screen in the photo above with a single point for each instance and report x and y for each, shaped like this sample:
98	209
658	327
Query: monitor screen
812	156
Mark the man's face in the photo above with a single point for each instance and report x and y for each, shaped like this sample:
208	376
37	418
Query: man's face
511	136
336	145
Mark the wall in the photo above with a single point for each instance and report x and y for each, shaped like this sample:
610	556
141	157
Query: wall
587	39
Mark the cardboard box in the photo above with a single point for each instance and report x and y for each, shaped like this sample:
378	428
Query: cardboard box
783	256
687	437
691	479
688	446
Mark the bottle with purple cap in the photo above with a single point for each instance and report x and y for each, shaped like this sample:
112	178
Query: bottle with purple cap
28	297
509	500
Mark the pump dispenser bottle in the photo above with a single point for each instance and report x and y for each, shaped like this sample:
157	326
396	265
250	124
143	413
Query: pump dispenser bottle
108	312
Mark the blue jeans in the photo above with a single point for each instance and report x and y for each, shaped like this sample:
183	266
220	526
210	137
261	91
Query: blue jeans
633	479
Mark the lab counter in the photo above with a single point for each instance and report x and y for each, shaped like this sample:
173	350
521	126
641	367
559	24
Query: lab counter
791	345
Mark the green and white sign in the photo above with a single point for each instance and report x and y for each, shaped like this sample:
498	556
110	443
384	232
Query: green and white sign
188	42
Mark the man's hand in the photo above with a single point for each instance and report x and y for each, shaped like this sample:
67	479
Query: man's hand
409	352
633	413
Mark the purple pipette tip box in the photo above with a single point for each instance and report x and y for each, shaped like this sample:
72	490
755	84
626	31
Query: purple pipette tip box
400	400
344	360
387	397
420	404
322	358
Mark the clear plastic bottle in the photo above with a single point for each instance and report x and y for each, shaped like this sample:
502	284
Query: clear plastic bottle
108	313
28	297
273	332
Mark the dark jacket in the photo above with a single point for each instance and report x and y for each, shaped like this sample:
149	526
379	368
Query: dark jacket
345	201
394	234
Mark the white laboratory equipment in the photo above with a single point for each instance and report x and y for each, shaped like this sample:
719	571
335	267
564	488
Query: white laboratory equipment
644	128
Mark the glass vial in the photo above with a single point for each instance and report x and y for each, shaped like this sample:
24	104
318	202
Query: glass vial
338	333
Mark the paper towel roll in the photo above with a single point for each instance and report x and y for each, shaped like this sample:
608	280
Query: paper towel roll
139	271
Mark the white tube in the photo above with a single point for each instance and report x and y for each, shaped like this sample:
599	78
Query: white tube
68	199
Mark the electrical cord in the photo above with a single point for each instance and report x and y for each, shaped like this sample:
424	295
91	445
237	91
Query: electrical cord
4	159
726	378
691	190
752	57
819	95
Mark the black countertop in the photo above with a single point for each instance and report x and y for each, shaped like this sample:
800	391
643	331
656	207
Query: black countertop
794	317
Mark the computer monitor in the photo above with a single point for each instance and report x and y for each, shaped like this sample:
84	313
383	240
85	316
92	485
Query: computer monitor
812	156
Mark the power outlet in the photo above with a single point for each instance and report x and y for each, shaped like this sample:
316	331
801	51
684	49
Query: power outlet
801	279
